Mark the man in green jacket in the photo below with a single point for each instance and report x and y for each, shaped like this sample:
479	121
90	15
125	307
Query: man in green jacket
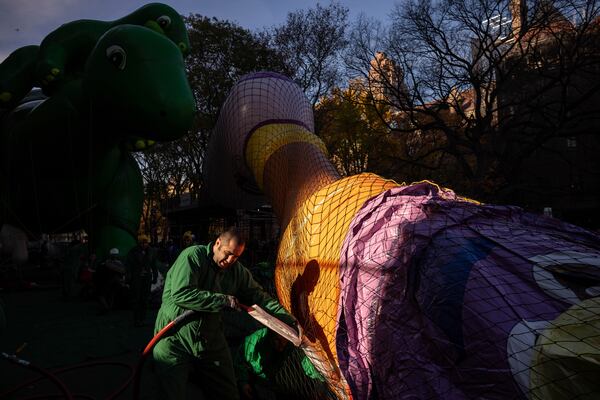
206	279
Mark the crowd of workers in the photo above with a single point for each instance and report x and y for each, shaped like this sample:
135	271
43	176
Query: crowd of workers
118	281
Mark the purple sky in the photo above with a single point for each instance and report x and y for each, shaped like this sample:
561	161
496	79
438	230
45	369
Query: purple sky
24	22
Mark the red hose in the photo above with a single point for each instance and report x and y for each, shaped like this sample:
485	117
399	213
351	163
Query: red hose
67	394
148	350
136	373
70	368
59	396
14	359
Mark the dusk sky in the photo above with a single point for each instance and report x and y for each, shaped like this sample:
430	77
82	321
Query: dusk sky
24	22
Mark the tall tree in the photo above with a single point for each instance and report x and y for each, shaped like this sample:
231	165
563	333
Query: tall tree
357	138
484	85
221	52
311	42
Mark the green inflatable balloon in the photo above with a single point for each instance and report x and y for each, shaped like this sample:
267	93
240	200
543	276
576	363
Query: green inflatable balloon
17	74
66	161
62	54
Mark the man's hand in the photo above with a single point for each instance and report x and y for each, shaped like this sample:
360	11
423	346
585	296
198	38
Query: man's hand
232	302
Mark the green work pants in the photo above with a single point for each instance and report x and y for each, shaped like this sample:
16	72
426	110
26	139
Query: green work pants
213	372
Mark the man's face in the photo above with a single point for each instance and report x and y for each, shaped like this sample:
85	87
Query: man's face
225	254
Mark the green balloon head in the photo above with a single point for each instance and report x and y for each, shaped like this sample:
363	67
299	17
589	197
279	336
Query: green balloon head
162	19
136	82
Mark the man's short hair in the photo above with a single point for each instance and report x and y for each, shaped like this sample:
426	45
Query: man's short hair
232	233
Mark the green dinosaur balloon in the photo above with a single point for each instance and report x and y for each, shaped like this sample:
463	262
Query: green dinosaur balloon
17	74
62	54
66	163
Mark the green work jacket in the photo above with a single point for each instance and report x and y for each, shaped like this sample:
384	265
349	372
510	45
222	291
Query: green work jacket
195	282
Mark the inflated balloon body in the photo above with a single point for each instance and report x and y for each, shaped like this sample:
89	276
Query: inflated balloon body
410	291
66	161
17	75
63	53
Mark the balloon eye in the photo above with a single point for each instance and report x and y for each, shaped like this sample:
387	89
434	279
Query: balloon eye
164	21
117	56
182	47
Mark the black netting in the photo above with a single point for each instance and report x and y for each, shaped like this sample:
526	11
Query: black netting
409	291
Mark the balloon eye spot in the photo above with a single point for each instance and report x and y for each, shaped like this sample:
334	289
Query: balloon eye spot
117	56
164	21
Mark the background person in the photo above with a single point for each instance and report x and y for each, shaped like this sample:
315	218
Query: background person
142	273
110	282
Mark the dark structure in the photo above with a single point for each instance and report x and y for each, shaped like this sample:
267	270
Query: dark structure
550	102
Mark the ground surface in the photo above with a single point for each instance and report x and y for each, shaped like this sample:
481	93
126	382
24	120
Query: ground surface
54	333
